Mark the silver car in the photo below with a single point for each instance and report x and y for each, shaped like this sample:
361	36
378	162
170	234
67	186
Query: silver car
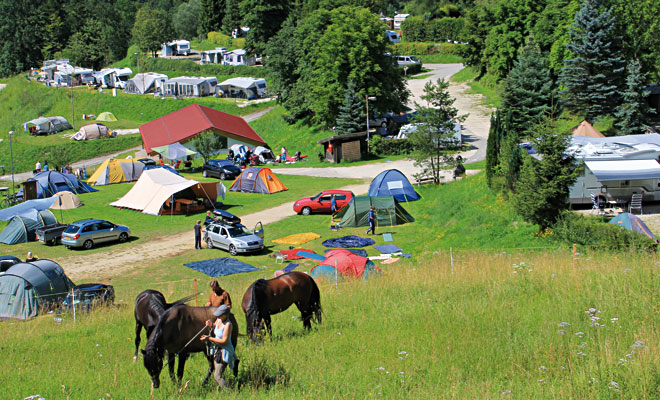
89	232
234	238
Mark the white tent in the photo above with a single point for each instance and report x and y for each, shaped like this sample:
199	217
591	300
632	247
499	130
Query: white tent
93	131
146	83
158	185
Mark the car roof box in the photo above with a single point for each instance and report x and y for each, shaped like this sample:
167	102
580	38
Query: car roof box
226	217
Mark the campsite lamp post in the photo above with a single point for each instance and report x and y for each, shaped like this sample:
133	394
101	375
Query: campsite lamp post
372	98
11	156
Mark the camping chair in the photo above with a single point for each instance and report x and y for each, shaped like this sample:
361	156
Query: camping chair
635	203
176	165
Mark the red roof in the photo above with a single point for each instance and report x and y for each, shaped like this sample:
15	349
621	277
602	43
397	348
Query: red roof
193	119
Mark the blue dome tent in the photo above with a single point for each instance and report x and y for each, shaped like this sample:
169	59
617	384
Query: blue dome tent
393	182
22	229
51	182
633	223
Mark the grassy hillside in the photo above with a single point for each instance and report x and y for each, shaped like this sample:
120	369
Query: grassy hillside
484	327
22	101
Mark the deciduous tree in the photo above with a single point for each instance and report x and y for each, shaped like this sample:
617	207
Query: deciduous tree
208	143
186	19
152	28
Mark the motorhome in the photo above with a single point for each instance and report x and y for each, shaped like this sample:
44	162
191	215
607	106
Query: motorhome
615	168
176	48
113	77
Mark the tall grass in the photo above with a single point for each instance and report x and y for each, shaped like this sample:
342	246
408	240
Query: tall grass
488	326
486	85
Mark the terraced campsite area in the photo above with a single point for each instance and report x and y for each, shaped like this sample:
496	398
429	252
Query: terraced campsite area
457	295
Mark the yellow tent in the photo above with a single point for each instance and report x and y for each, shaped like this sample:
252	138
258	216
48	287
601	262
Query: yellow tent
106	116
116	171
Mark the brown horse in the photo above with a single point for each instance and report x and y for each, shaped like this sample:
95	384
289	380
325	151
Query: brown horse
178	332
267	297
149	306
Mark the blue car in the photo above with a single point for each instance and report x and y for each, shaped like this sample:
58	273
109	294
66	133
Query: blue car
222	169
89	232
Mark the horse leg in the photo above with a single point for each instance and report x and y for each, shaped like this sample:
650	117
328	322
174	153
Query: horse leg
171	357
138	329
182	364
270	331
305	315
209	358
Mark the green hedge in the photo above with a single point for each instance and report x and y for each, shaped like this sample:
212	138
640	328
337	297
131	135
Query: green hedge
427	48
388	147
595	231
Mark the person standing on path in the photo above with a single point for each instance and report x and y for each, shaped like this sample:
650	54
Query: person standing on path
372	220
333	206
37	167
198	234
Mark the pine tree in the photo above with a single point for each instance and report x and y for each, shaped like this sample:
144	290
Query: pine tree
528	91
351	117
232	18
213	11
493	148
542	190
593	78
631	115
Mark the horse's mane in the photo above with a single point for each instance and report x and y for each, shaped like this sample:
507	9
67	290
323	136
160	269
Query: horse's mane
257	301
182	300
155	341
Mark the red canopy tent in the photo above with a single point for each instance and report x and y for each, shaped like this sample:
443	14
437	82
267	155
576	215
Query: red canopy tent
183	124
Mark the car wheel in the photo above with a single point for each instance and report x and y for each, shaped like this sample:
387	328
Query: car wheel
383	125
88	244
306	211
205	174
232	250
123	237
209	243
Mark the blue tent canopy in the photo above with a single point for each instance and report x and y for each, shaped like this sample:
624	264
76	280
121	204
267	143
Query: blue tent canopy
393	183
22	229
51	182
633	223
27	209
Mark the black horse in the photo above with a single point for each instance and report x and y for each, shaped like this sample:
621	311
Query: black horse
149	306
267	297
178	332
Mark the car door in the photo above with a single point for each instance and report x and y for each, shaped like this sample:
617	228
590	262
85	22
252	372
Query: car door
224	239
105	232
259	230
213	234
324	203
341	201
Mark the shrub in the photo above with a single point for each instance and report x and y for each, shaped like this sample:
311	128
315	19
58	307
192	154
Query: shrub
594	231
219	39
388	147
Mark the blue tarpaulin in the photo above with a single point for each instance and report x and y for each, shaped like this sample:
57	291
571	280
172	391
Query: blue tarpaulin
28	209
221	266
359	252
289	267
348	241
311	256
387	248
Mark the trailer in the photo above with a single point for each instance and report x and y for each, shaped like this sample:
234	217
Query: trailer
615	181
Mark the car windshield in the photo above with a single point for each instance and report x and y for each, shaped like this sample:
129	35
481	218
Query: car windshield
72	229
222	163
317	196
413	58
238	231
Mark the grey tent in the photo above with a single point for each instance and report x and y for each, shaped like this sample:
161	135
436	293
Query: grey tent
22	229
28	287
93	131
388	212
147	82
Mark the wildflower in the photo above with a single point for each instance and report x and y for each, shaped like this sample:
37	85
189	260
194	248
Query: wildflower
614	386
579	334
639	344
541	380
593	380
506	392
563	368
563	324
381	368
613	320
561	332
579	353
627	270
542	369
583	345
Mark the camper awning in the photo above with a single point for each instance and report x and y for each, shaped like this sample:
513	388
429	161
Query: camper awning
624	169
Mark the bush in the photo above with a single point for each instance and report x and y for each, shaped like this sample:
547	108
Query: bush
220	39
594	231
389	147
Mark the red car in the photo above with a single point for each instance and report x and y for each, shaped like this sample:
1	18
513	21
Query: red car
321	202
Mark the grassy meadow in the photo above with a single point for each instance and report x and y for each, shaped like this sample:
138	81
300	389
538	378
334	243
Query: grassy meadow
492	325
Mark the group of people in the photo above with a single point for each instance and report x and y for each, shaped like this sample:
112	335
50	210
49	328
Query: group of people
224	354
38	167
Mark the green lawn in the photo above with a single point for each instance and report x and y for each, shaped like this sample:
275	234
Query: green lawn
486	86
148	227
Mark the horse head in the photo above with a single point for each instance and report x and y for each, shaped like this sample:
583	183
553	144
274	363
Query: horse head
153	362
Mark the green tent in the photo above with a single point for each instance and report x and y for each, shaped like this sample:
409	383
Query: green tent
106	116
388	212
27	288
22	229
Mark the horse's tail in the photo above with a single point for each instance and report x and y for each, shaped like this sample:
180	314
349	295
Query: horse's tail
315	300
257	302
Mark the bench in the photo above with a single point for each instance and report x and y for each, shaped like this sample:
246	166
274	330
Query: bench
423	180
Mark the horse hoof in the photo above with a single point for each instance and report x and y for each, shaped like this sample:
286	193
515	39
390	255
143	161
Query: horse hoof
134	358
